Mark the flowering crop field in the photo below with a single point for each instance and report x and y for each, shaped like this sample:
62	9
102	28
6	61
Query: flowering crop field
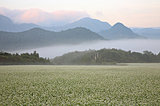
131	84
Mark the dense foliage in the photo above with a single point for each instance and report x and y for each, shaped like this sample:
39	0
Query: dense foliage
107	56
24	58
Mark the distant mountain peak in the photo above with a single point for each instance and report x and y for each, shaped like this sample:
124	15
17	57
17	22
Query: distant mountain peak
119	31
119	25
94	25
120	28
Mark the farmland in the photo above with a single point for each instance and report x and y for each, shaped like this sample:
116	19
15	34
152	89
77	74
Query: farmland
124	84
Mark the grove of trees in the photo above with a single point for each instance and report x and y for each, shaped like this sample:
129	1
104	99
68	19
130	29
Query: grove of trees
24	58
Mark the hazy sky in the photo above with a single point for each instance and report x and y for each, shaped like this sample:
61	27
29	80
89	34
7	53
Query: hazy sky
133	13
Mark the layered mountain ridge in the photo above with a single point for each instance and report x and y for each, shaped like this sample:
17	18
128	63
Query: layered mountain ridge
119	31
37	37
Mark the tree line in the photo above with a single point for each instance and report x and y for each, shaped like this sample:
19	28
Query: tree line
106	56
22	59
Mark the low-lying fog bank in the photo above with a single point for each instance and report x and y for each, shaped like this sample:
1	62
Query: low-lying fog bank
138	45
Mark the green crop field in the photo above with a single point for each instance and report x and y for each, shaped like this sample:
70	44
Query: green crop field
131	84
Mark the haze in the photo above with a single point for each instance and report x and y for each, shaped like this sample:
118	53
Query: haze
137	45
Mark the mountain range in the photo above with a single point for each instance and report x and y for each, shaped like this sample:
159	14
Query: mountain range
102	28
37	37
6	24
26	36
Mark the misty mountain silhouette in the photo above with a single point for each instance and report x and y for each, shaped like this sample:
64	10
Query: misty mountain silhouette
89	23
119	31
37	37
6	24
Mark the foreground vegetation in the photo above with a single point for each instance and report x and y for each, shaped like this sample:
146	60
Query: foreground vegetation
21	59
133	84
106	56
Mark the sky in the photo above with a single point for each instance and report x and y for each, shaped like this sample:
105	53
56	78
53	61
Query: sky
133	13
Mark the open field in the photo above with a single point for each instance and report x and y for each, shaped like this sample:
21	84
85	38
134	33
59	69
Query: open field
131	84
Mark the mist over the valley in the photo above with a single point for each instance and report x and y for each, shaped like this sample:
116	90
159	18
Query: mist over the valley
138	45
56	41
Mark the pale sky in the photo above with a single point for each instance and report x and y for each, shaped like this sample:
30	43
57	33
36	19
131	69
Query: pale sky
133	13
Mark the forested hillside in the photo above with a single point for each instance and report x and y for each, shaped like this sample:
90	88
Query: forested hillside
106	56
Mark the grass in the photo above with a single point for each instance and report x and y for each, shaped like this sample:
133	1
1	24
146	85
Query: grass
133	84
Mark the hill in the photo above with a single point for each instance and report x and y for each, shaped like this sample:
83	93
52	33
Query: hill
105	56
37	37
119	31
